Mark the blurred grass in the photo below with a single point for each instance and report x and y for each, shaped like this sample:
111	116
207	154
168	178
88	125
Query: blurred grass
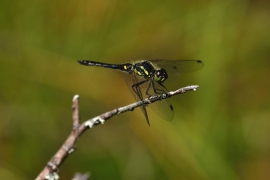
219	132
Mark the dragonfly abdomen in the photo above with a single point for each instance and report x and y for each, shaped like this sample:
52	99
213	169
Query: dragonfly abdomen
127	67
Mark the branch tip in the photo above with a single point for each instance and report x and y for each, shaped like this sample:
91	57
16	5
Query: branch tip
75	97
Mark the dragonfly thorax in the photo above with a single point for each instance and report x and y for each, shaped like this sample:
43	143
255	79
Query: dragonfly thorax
144	69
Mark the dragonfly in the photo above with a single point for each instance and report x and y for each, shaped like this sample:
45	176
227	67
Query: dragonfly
145	78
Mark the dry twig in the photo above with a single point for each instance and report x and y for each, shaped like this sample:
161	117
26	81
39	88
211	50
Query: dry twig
50	171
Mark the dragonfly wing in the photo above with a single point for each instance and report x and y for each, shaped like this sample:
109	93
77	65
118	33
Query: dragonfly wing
138	94
162	108
175	67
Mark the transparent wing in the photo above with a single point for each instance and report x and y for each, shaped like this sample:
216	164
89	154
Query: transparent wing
181	66
175	67
162	108
132	79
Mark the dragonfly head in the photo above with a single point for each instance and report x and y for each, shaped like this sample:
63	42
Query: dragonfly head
160	75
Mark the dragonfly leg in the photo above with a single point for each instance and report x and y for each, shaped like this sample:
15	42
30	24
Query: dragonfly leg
155	88
137	90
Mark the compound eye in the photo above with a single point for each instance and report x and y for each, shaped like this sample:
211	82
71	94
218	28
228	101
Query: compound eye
161	75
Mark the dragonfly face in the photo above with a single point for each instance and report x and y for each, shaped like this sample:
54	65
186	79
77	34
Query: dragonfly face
160	75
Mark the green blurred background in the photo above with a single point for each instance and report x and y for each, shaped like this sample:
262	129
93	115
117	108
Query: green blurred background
221	131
